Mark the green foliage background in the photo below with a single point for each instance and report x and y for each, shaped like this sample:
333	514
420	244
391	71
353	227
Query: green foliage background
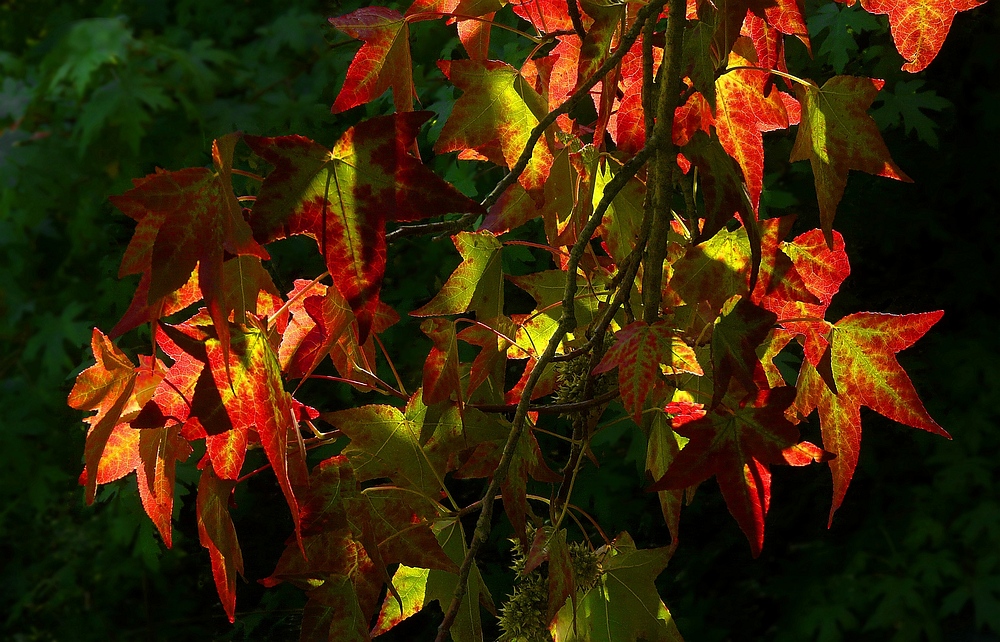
96	93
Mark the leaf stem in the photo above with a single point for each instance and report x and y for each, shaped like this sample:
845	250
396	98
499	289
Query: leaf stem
298	295
802	81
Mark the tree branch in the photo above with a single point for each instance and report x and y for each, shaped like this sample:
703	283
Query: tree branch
668	94
566	322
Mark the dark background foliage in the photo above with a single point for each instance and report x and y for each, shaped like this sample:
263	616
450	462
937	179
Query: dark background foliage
96	93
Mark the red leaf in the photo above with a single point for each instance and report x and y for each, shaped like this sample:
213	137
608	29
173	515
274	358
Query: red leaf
734	346
866	373
105	387
343	198
217	533
187	218
382	62
919	28
160	450
441	374
638	351
737	446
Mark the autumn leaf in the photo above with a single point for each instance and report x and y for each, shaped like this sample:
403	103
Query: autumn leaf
918	28
342	199
386	443
865	367
744	111
187	218
159	450
837	135
217	533
105	387
713	270
254	397
738	445
498	104
734	346
382	62
638	351
840	422
441	373
419	587
476	284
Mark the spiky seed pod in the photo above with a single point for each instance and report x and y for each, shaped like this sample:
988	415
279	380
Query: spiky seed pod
586	566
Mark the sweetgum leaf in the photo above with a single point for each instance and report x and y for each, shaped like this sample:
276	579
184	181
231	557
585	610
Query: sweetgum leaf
188	218
217	533
105	387
382	62
620	225
638	351
866	373
865	367
419	587
624	606
744	110
255	397
734	346
476	284
547	289
837	135
441	375
498	104
385	443
738	445
627	123
342	199
160	449
919	28
840	422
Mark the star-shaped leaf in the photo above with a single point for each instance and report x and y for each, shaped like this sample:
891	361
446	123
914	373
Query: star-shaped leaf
919	27
837	135
498	104
738	445
342	198
624	606
188	218
382	62
638	351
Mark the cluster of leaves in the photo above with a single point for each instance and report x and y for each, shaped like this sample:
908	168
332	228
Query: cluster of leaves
641	133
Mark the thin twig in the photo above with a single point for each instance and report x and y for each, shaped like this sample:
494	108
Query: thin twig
551	409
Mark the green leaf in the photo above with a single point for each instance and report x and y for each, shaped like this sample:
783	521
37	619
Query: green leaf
624	606
476	284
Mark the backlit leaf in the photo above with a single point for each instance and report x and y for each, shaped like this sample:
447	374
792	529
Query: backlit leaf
837	135
382	62
342	199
